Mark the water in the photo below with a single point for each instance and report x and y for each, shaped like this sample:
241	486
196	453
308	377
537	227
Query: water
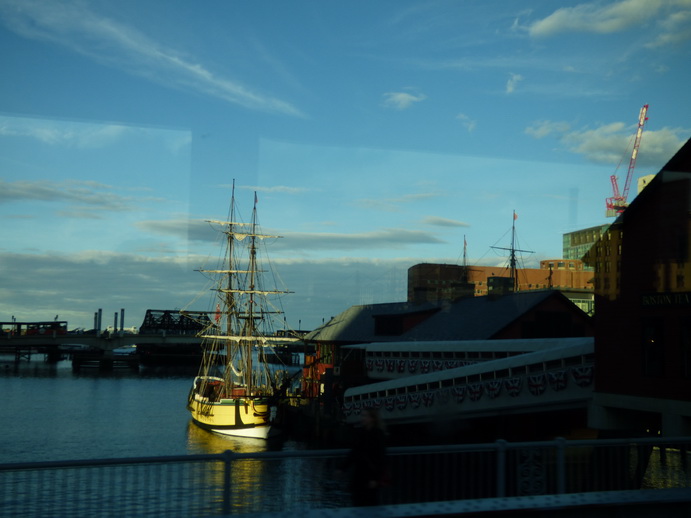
50	412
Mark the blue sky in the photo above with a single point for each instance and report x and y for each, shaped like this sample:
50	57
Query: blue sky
377	135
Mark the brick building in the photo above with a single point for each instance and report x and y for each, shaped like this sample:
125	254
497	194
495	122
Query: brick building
436	282
643	309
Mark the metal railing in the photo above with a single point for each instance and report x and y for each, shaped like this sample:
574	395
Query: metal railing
296	481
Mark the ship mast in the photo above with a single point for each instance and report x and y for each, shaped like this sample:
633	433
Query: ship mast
513	263
229	295
249	326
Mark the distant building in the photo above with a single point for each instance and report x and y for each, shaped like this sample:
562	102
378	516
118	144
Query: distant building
438	282
642	269
577	243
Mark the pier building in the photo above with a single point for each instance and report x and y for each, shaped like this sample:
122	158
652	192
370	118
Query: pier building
642	270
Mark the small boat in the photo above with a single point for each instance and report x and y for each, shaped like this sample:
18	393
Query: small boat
236	391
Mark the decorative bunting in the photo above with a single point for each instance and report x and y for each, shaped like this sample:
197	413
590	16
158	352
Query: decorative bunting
475	391
493	388
557	380
536	384
414	399
513	386
444	395
459	393
412	366
583	375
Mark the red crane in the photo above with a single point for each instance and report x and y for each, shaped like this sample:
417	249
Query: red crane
617	203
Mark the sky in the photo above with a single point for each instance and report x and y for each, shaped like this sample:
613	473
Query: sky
377	135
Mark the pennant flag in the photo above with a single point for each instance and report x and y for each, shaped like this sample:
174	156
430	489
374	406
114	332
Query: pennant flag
218	312
515	216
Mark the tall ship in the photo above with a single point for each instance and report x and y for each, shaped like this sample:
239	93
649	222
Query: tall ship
236	391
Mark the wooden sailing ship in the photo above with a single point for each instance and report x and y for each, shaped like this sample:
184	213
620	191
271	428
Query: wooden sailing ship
236	391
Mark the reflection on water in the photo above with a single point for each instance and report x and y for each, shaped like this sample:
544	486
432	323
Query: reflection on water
270	485
202	441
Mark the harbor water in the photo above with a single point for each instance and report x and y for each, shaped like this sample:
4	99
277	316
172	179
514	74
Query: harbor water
52	413
49	412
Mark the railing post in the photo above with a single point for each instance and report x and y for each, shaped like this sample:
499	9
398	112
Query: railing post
560	444
501	467
227	457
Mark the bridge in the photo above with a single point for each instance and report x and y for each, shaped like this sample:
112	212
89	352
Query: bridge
99	350
106	341
473	379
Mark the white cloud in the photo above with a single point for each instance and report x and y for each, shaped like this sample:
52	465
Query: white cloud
467	122
596	17
673	25
612	143
402	100
542	129
513	81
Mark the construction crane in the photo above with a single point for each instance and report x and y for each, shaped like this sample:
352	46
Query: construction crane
617	203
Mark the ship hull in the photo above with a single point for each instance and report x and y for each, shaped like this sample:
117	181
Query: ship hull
238	417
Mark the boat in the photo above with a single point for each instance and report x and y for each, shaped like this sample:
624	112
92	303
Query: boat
236	391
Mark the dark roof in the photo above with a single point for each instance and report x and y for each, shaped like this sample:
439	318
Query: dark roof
473	318
479	318
356	324
681	161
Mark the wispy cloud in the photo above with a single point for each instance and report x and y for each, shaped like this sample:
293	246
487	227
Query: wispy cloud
542	129
394	204
443	222
74	25
380	239
198	230
64	133
91	195
402	100
283	189
467	122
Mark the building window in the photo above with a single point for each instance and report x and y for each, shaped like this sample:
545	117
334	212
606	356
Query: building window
653	348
